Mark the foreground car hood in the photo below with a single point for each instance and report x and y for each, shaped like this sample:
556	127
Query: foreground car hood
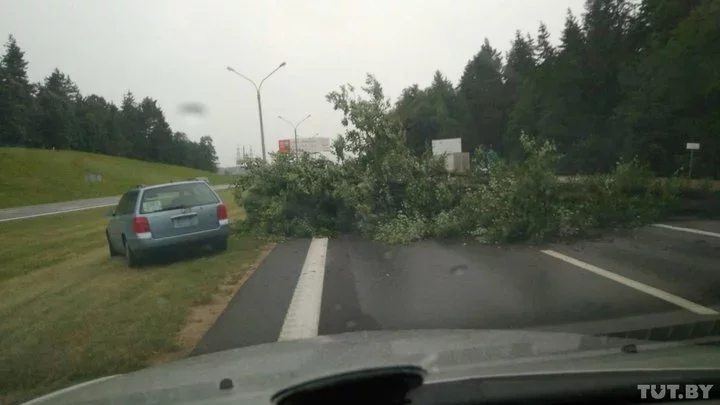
258	372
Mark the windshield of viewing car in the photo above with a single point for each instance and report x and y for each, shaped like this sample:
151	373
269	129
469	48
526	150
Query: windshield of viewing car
176	196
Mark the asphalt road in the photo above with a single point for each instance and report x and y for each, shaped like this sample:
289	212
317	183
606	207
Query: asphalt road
655	282
32	211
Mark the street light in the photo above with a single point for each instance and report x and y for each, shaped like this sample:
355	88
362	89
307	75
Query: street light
295	127
257	89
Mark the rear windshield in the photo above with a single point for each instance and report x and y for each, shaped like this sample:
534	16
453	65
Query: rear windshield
177	196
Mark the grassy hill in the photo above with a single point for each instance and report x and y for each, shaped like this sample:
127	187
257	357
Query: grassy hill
38	176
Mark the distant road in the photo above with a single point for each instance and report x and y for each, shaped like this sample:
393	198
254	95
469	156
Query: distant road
32	211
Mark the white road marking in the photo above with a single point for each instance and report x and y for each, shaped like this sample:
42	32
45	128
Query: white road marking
58	212
657	293
221	187
303	316
689	230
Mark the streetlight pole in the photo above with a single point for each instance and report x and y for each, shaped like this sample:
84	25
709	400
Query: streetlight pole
259	101
295	127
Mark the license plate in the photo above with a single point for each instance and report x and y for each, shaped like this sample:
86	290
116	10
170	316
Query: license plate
185	222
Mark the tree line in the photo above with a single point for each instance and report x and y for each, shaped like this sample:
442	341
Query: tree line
54	114
629	80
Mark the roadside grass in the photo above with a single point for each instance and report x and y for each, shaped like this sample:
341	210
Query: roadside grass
71	313
38	176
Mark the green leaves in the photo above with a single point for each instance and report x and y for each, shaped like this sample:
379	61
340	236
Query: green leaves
386	192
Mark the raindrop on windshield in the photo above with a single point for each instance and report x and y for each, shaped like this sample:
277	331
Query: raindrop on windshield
193	112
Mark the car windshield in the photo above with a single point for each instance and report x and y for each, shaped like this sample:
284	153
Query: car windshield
182	179
176	196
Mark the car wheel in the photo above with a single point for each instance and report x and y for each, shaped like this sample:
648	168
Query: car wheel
220	245
130	257
112	250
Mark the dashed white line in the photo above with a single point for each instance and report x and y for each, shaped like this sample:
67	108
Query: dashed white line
655	292
689	230
303	316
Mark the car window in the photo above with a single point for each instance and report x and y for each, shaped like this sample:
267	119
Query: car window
127	203
118	208
177	196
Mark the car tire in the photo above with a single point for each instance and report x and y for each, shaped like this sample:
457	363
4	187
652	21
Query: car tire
112	250
130	258
220	245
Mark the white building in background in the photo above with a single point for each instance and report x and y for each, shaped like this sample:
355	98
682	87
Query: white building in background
312	145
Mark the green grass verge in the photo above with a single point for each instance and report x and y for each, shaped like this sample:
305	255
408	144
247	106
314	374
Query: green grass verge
71	313
38	176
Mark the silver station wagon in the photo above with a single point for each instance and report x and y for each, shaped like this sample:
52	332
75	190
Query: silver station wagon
174	215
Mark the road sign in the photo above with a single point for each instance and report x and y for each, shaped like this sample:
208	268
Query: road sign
692	147
314	145
446	146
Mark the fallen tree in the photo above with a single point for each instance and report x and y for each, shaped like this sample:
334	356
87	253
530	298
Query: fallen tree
383	191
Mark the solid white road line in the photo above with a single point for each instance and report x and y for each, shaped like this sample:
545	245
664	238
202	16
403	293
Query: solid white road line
657	293
58	212
221	187
689	230
303	316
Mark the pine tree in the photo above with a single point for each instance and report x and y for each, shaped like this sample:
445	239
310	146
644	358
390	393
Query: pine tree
543	48
16	102
483	91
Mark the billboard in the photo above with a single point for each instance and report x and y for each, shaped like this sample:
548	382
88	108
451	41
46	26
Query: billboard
309	145
443	146
284	146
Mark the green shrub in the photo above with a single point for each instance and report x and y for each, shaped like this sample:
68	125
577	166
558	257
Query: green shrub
629	196
402	229
289	198
383	191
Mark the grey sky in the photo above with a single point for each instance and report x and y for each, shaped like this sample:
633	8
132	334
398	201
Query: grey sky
176	51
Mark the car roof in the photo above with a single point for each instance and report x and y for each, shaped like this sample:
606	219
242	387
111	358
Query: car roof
142	187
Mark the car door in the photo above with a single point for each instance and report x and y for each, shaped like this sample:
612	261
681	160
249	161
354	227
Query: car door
113	224
123	215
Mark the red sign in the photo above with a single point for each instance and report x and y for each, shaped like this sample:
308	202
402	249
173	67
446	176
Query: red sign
284	146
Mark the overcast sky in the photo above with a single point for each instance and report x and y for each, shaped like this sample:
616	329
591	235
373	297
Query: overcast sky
176	51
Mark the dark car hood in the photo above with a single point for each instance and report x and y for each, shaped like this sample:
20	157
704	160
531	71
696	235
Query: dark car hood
258	372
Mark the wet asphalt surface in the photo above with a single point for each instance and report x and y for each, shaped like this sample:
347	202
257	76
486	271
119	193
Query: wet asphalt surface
458	285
